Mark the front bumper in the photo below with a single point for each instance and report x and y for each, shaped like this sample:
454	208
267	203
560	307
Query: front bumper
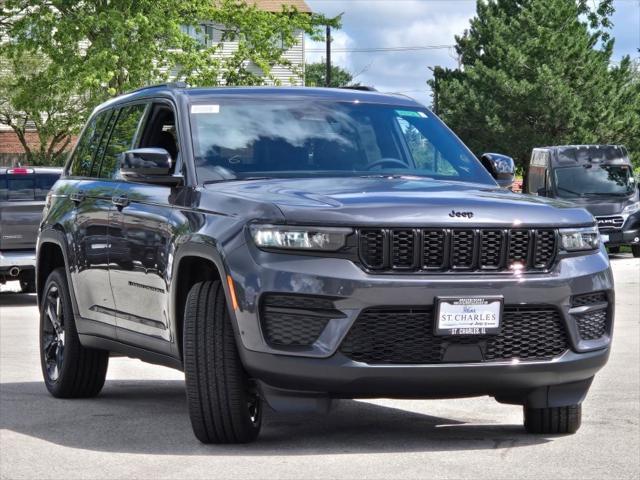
321	371
23	259
302	384
622	237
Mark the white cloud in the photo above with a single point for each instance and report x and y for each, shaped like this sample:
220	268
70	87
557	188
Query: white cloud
315	51
394	23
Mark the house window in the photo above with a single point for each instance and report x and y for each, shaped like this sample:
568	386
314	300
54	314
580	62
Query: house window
203	33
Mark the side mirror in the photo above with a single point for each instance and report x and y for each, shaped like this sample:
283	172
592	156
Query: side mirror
501	167
148	165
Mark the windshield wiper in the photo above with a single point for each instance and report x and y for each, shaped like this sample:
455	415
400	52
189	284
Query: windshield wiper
244	179
570	191
605	194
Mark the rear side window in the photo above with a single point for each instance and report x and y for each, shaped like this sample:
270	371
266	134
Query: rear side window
29	187
122	138
87	145
16	188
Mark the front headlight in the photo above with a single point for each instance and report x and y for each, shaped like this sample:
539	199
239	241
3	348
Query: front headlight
576	239
327	239
630	209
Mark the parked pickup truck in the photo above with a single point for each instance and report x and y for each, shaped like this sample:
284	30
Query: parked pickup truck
23	192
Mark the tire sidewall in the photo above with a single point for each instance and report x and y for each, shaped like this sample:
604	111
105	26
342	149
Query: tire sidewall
57	278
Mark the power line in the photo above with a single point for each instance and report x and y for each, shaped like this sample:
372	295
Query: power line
383	49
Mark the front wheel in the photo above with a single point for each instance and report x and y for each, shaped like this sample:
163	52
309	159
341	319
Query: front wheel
635	249
553	420
224	405
69	369
614	250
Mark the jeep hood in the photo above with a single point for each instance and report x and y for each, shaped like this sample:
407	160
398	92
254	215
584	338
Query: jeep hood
410	201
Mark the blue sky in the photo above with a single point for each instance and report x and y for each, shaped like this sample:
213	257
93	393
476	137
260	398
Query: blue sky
402	23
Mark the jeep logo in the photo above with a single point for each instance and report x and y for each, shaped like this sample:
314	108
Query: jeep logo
461	214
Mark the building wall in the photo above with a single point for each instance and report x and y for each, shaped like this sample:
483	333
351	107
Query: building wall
11	150
212	35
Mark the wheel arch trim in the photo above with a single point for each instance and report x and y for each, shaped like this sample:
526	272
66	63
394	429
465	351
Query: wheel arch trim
206	251
56	237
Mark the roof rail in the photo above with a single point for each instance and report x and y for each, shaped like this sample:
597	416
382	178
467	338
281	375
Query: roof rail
161	85
363	88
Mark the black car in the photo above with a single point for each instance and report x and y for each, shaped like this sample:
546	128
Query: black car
296	246
596	177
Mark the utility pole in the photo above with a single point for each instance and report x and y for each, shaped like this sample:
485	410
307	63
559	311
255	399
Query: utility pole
435	89
328	73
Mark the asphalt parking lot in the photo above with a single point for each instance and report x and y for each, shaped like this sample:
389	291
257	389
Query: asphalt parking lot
138	427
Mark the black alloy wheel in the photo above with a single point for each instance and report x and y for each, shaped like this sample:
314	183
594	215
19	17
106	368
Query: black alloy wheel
53	333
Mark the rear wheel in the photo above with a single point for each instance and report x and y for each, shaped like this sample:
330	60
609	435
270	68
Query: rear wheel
635	249
69	369
224	405
553	419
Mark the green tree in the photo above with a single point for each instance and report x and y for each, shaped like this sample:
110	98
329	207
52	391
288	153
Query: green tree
315	75
87	51
539	72
36	96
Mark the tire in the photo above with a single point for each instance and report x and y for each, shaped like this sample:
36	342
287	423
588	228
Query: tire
560	420
223	405
69	369
635	249
614	250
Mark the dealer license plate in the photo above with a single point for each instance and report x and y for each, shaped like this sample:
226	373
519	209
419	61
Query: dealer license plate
468	315
604	237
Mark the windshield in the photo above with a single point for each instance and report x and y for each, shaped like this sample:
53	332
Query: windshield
594	180
240	139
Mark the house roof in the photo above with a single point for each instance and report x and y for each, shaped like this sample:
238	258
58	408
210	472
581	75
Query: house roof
276	5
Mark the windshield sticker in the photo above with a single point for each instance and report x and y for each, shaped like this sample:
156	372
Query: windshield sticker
205	108
411	113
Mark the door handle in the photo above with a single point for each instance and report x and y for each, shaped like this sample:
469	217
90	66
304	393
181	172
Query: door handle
77	197
120	201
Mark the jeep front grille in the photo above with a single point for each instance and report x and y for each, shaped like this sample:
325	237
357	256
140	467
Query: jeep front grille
465	249
405	336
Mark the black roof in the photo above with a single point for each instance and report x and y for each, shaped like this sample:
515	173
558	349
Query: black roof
274	93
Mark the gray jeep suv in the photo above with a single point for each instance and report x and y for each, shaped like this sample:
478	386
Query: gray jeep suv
295	246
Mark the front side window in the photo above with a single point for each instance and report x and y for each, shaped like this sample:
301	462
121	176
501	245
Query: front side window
594	180
84	153
122	138
237	139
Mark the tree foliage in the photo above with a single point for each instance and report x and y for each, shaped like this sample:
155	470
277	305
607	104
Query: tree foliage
35	96
86	51
539	72
315	75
